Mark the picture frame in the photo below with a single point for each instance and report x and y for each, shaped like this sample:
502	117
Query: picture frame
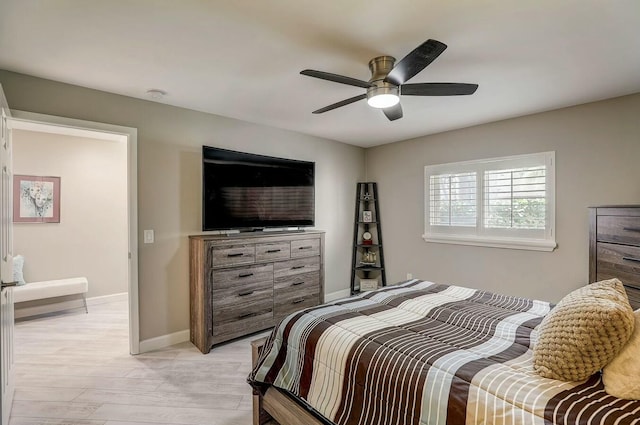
368	284
367	216
36	199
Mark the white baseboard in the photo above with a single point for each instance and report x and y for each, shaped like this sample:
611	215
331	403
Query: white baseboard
343	293
164	341
123	296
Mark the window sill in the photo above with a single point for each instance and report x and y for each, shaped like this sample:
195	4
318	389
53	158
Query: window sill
508	243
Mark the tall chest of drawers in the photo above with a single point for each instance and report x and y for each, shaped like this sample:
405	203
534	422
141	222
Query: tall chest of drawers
614	247
240	284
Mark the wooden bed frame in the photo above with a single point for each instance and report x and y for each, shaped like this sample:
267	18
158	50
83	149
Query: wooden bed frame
275	407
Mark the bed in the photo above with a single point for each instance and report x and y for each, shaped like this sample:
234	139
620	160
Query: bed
420	353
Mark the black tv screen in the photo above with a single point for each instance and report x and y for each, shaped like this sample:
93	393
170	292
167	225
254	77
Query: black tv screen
248	191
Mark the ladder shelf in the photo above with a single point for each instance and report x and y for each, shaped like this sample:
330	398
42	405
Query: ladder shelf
367	266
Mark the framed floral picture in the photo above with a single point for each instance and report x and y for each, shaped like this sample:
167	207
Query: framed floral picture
36	199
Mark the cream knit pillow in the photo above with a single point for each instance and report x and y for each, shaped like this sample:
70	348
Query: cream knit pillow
584	332
621	377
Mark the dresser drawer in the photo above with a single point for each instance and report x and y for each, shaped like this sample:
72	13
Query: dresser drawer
294	267
273	251
231	255
621	261
634	296
241	276
286	303
242	303
253	322
297	281
305	248
623	230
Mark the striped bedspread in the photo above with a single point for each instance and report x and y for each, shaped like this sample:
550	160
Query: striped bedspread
431	354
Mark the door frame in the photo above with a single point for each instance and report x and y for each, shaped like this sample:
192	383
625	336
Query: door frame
7	323
129	135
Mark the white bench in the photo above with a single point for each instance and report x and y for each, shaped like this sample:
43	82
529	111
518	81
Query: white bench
51	289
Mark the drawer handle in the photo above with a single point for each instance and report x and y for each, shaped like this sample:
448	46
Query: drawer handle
244	294
636	260
247	315
273	251
305	247
297	283
631	229
237	254
298	301
297	267
245	274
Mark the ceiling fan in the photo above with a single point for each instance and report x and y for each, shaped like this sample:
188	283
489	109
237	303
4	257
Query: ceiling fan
388	80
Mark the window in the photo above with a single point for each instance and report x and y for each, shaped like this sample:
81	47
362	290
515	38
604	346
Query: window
500	202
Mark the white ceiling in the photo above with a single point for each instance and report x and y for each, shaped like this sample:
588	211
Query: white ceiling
242	58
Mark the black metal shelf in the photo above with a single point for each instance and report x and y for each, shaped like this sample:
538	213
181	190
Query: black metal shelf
368	268
358	270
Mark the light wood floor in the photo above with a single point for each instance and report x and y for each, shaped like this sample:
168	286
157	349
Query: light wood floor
75	368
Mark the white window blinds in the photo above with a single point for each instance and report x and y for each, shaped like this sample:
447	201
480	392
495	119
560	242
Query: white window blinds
453	199
502	202
515	198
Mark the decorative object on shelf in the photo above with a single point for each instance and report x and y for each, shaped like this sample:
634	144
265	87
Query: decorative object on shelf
368	284
368	258
36	199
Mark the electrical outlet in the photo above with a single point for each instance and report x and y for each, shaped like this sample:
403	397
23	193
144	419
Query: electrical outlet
148	236
409	276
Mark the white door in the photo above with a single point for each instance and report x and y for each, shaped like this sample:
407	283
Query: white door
6	266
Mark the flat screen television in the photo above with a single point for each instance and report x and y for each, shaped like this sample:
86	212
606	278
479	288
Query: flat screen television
246	191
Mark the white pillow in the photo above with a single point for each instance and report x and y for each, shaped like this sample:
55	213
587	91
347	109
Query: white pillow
18	264
621	377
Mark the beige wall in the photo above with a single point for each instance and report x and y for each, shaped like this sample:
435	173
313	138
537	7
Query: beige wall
91	238
597	155
169	182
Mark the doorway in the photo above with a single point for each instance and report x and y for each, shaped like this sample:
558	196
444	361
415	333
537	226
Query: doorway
127	138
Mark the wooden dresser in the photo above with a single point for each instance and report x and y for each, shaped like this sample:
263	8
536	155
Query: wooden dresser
614	247
244	283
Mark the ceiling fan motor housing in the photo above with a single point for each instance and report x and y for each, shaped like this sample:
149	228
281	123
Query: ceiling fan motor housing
380	67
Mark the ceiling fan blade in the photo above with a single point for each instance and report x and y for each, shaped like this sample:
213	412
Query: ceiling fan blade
336	78
341	103
394	112
438	89
415	62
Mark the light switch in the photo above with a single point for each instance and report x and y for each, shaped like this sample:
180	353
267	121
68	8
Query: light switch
148	236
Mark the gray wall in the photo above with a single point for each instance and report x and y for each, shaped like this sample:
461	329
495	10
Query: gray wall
169	181
91	239
597	150
597	155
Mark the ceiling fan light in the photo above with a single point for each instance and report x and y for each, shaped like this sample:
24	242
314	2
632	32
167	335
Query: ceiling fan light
382	95
385	100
